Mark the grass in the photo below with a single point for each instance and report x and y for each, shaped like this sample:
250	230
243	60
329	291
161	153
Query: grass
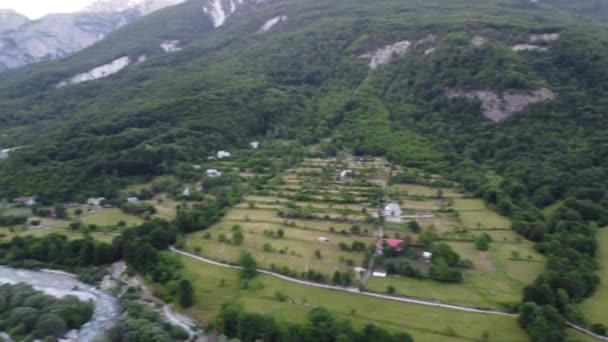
8	235
468	204
16	212
495	281
420	205
485	218
299	245
595	307
422	190
110	217
576	336
424	323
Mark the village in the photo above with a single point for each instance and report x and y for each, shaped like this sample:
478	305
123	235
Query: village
345	220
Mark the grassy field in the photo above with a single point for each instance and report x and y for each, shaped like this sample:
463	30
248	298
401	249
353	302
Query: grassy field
16	212
299	246
110	217
468	204
485	218
575	336
8	235
297	249
424	323
496	280
595	307
415	190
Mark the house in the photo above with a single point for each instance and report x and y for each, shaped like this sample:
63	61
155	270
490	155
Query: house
26	200
323	239
186	192
212	173
398	245
223	154
132	200
360	269
392	210
379	273
95	201
254	145
347	174
427	255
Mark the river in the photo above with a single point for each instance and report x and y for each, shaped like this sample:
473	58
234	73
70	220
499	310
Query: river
58	284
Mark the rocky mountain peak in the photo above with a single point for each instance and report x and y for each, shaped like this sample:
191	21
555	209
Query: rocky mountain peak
142	6
10	19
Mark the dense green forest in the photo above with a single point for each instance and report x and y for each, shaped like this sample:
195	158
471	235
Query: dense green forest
305	82
27	314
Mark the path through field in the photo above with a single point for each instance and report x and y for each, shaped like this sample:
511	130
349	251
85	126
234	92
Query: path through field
355	290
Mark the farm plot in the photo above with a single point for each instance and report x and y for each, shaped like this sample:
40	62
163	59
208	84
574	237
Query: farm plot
317	229
497	279
215	286
484	218
110	217
493	278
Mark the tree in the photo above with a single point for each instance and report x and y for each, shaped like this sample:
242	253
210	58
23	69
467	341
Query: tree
318	254
50	325
280	233
60	211
185	293
482	243
237	238
249	266
445	252
414	226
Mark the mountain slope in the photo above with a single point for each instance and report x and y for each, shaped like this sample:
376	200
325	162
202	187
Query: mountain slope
24	41
505	96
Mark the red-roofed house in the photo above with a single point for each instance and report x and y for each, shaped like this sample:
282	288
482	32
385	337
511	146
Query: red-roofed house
398	245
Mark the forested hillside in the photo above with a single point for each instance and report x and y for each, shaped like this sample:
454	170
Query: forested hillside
505	96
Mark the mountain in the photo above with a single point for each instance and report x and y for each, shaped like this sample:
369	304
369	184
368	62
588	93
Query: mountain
11	20
24	41
506	97
143	7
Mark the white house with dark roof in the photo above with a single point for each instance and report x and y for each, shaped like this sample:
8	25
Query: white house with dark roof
223	154
213	173
392	210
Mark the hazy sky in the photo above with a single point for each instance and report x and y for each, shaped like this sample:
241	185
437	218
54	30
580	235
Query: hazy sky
37	8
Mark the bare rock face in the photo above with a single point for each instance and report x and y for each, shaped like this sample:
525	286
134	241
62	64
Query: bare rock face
386	53
10	20
498	107
144	7
272	23
220	10
24	41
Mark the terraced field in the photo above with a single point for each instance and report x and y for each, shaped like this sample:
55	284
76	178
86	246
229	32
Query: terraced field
317	222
